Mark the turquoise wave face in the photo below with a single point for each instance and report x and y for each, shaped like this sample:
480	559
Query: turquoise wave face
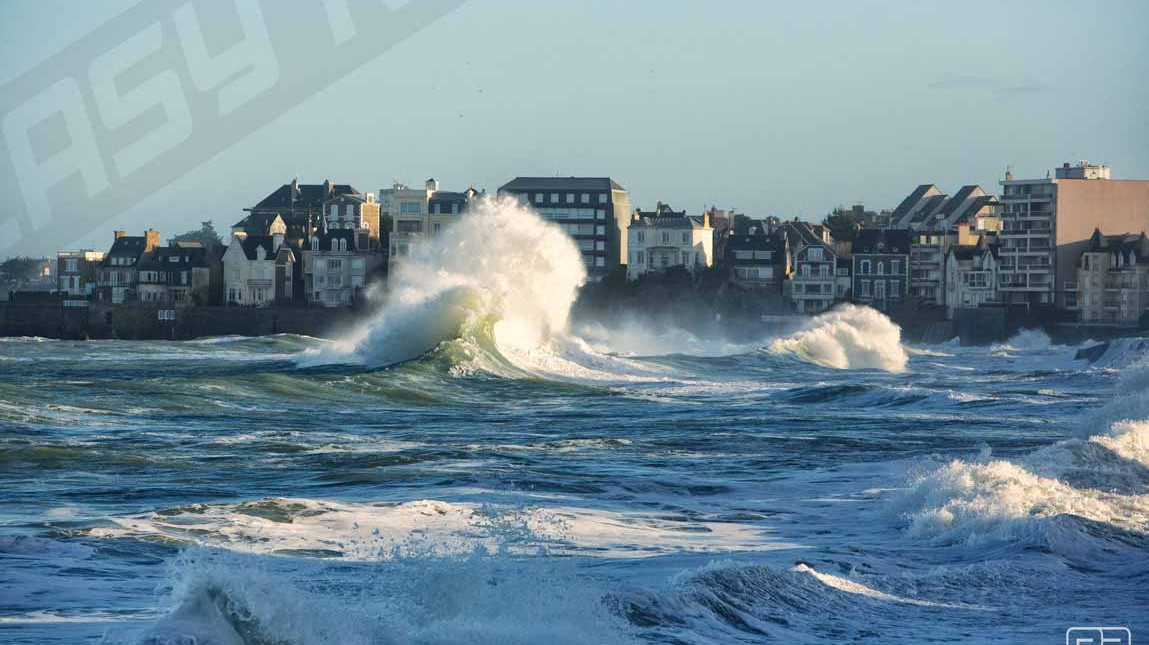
236	490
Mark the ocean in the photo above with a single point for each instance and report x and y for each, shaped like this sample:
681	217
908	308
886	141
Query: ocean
472	467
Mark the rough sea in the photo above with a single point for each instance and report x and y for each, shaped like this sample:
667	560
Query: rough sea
497	478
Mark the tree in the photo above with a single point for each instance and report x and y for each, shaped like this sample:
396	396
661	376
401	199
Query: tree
206	236
842	224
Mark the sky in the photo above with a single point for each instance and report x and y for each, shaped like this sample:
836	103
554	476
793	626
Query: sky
770	108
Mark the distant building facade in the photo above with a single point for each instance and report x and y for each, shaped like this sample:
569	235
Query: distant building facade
971	275
881	267
594	211
180	275
664	238
259	270
1047	223
417	214
814	280
1112	285
78	272
759	258
337	265
119	271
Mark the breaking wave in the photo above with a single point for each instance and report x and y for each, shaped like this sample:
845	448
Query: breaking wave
1063	497
850	337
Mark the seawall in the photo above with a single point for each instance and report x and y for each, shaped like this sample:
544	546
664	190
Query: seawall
139	321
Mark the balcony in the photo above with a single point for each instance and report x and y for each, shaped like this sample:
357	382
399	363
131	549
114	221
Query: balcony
259	284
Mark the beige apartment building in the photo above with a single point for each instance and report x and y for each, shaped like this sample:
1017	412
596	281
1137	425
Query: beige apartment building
1047	223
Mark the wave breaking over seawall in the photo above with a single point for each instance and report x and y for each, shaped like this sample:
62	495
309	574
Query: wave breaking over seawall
500	275
849	337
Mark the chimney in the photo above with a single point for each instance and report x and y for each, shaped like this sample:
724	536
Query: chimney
706	218
151	240
432	185
276	241
328	189
118	234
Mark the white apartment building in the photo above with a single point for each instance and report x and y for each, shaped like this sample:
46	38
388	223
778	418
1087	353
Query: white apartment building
664	238
814	283
971	275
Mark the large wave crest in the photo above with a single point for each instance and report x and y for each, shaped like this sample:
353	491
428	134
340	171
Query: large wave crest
849	337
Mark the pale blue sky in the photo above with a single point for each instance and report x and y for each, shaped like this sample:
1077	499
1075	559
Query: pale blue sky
780	108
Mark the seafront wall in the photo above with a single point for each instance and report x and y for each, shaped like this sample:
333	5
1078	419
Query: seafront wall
137	321
733	316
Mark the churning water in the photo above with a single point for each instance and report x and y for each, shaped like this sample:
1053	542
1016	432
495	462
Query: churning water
467	469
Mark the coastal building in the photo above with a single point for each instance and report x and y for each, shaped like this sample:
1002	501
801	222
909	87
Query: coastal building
759	258
665	238
594	211
843	278
420	213
119	271
78	272
1047	223
934	220
356	212
881	266
301	207
1112	285
971	275
259	270
337	265
814	279
179	274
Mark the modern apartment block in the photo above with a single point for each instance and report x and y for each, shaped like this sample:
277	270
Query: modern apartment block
1047	223
595	211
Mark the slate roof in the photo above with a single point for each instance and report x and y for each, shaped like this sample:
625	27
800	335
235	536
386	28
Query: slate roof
310	196
160	259
1130	245
873	241
250	243
910	201
329	236
126	246
527	184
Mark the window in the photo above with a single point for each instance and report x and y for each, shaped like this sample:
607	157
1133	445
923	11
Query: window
314	246
410	208
640	257
865	288
666	237
334	210
640	237
70	264
554	198
685	238
763	255
584	198
824	271
455	208
865	267
539	197
895	267
603	198
409	226
685	258
333	265
814	254
881	268
805	270
600	262
436	227
570	198
349	210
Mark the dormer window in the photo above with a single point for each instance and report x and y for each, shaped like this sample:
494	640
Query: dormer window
314	243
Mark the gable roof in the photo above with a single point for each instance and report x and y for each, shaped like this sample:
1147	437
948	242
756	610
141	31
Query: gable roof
911	200
184	258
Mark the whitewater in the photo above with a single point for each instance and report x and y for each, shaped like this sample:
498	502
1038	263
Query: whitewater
473	465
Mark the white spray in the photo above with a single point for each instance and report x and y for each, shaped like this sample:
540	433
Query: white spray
850	337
